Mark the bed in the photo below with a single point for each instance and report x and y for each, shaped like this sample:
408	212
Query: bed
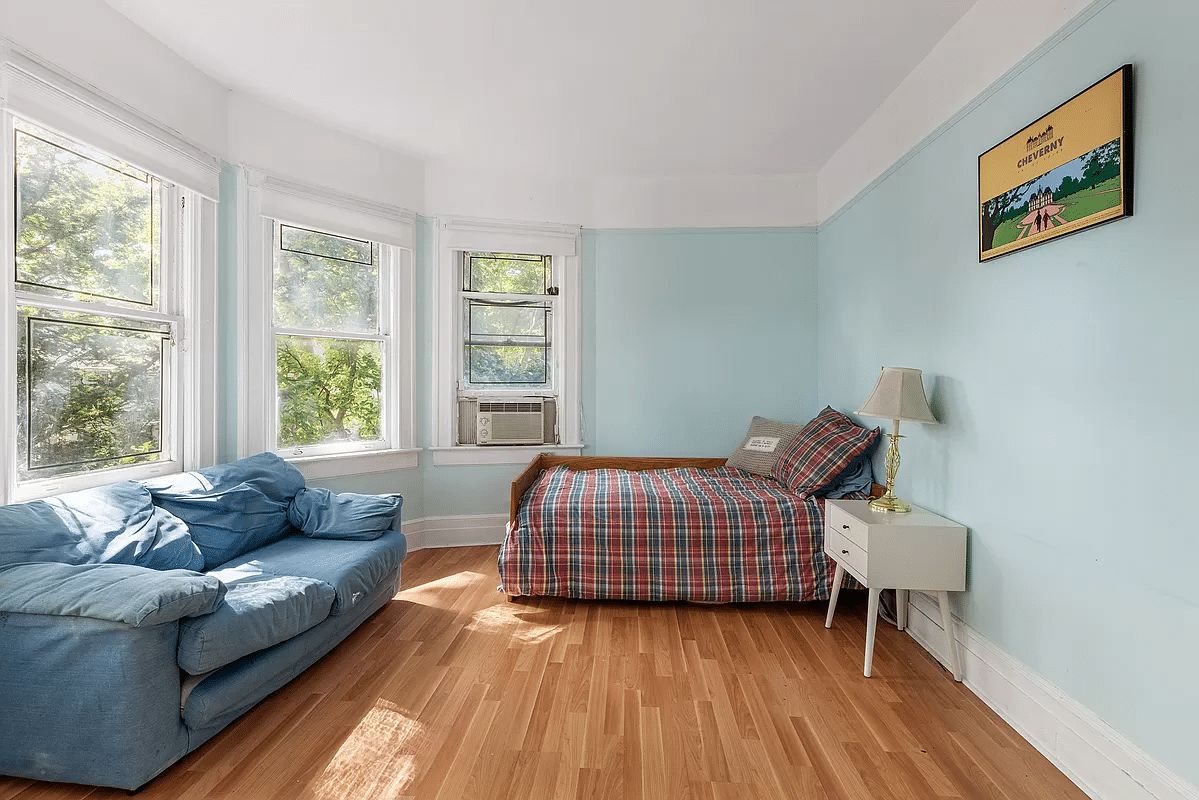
690	529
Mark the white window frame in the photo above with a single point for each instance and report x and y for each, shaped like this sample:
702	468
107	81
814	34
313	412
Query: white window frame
38	92
267	199
456	235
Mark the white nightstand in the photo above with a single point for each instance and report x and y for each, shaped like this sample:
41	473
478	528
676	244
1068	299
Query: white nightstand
886	550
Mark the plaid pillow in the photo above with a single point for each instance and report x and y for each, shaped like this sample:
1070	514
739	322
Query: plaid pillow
822	451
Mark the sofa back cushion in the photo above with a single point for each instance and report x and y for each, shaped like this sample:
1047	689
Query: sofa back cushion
112	524
234	508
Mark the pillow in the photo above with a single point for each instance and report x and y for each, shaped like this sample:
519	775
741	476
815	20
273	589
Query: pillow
321	514
762	445
822	451
111	524
234	508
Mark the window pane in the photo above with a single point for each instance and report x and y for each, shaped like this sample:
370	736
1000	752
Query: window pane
86	223
329	390
320	285
315	243
506	273
489	323
90	393
490	365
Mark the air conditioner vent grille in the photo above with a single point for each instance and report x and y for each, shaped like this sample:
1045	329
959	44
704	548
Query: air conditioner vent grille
490	407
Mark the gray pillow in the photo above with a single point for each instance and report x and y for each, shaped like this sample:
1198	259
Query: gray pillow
762	445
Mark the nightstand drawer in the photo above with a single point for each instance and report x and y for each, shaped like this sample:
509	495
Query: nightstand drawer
853	529
845	553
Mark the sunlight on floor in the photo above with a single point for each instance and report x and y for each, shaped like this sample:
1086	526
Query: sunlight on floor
502	617
376	759
434	593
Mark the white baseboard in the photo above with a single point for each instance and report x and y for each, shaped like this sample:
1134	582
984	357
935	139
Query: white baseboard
464	531
1100	761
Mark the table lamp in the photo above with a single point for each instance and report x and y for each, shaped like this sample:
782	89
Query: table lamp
898	395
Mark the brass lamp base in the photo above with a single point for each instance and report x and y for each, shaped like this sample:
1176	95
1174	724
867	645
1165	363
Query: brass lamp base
889	503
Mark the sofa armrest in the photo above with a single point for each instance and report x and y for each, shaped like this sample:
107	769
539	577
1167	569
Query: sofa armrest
133	595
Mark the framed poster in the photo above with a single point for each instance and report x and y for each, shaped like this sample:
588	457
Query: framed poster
1068	171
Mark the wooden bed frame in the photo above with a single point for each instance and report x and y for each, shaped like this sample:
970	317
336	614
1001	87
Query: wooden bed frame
544	461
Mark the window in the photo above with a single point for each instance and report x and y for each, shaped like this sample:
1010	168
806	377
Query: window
330	311
507	311
327	373
94	303
506	366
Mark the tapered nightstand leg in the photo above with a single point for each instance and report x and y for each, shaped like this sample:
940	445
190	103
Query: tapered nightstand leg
832	598
901	609
871	629
950	639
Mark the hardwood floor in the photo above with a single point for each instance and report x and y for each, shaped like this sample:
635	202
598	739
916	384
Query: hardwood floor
452	692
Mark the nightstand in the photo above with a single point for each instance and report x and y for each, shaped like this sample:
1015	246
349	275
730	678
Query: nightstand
887	550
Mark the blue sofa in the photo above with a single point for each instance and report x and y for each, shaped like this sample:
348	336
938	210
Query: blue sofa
138	619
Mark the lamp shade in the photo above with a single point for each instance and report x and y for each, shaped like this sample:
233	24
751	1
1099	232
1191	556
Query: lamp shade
898	394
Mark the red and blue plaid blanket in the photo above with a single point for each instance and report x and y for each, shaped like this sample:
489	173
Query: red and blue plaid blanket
712	535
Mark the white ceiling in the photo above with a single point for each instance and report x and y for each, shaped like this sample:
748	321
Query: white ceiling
571	88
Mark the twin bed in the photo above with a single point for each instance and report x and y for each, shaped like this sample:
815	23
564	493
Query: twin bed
662	529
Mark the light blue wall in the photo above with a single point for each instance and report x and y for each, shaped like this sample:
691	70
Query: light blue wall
1064	376
693	333
227	333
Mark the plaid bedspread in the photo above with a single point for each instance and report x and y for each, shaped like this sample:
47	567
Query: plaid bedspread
712	535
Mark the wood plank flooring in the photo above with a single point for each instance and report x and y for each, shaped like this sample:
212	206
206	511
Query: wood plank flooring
452	692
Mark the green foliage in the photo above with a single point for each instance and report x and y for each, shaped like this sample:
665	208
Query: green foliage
92	394
320	283
506	273
330	390
83	226
89	388
501	366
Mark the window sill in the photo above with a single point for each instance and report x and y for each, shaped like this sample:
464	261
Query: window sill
333	466
473	455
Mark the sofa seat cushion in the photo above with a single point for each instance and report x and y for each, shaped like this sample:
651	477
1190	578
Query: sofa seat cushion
112	524
259	611
231	509
352	568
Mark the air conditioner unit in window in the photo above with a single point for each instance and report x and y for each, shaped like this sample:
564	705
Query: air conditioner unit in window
519	422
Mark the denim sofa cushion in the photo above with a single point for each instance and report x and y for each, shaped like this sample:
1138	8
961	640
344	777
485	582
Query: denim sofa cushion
116	524
352	568
234	508
259	611
321	514
136	596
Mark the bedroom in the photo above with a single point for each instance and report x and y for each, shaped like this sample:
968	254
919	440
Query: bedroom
1062	357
